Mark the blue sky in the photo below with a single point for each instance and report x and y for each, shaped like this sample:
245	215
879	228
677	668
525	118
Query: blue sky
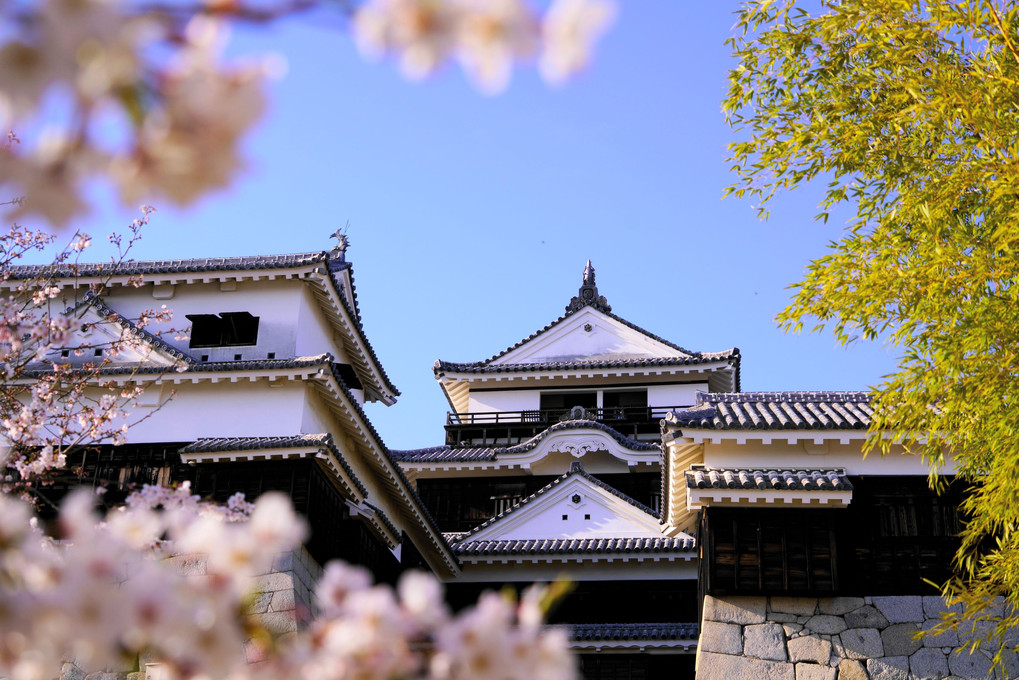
471	217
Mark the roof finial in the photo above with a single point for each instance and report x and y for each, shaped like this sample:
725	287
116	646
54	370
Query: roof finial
342	241
588	294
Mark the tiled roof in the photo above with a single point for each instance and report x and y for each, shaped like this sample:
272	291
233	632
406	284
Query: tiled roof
574	546
140	267
334	264
227	444
588	297
443	454
595	632
386	521
575	469
776	411
92	300
763	479
484	367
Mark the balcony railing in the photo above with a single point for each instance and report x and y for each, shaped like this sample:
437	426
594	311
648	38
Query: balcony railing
506	428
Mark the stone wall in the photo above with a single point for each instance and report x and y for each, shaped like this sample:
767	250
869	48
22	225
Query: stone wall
286	594
843	638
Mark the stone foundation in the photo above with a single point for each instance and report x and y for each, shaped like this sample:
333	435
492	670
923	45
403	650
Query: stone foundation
843	638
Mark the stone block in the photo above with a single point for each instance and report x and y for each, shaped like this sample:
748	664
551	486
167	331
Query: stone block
839	606
809	648
825	623
135	675
928	663
106	675
190	565
862	643
69	671
741	610
792	628
934	606
260	603
965	665
899	639
275	581
278	622
1010	667
901	608
889	668
282	601
778	617
811	671
850	669
765	641
949	638
801	606
284	561
866	617
711	666
724	638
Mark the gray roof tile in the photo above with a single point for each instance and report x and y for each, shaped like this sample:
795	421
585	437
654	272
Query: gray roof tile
227	444
768	479
731	355
575	546
596	632
776	411
446	453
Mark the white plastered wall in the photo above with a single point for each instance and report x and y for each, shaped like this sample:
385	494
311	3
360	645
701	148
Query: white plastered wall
225	409
275	303
810	454
674	395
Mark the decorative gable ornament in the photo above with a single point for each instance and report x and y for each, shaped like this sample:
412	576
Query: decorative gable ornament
588	294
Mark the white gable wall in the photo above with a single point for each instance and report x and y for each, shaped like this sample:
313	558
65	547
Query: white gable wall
314	331
508	400
570	340
598	514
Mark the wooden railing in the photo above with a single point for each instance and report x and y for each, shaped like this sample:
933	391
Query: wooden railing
493	428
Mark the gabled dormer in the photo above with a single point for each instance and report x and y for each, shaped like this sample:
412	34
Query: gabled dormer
589	358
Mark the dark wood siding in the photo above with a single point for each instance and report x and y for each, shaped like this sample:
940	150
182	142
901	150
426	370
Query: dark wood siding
895	537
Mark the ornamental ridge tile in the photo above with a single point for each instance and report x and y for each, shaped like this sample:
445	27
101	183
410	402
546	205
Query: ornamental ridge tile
575	469
447	453
768	479
229	444
775	411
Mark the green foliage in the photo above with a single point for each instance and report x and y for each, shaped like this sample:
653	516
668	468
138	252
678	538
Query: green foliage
909	111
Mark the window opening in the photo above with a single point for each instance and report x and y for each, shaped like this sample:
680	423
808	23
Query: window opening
227	329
